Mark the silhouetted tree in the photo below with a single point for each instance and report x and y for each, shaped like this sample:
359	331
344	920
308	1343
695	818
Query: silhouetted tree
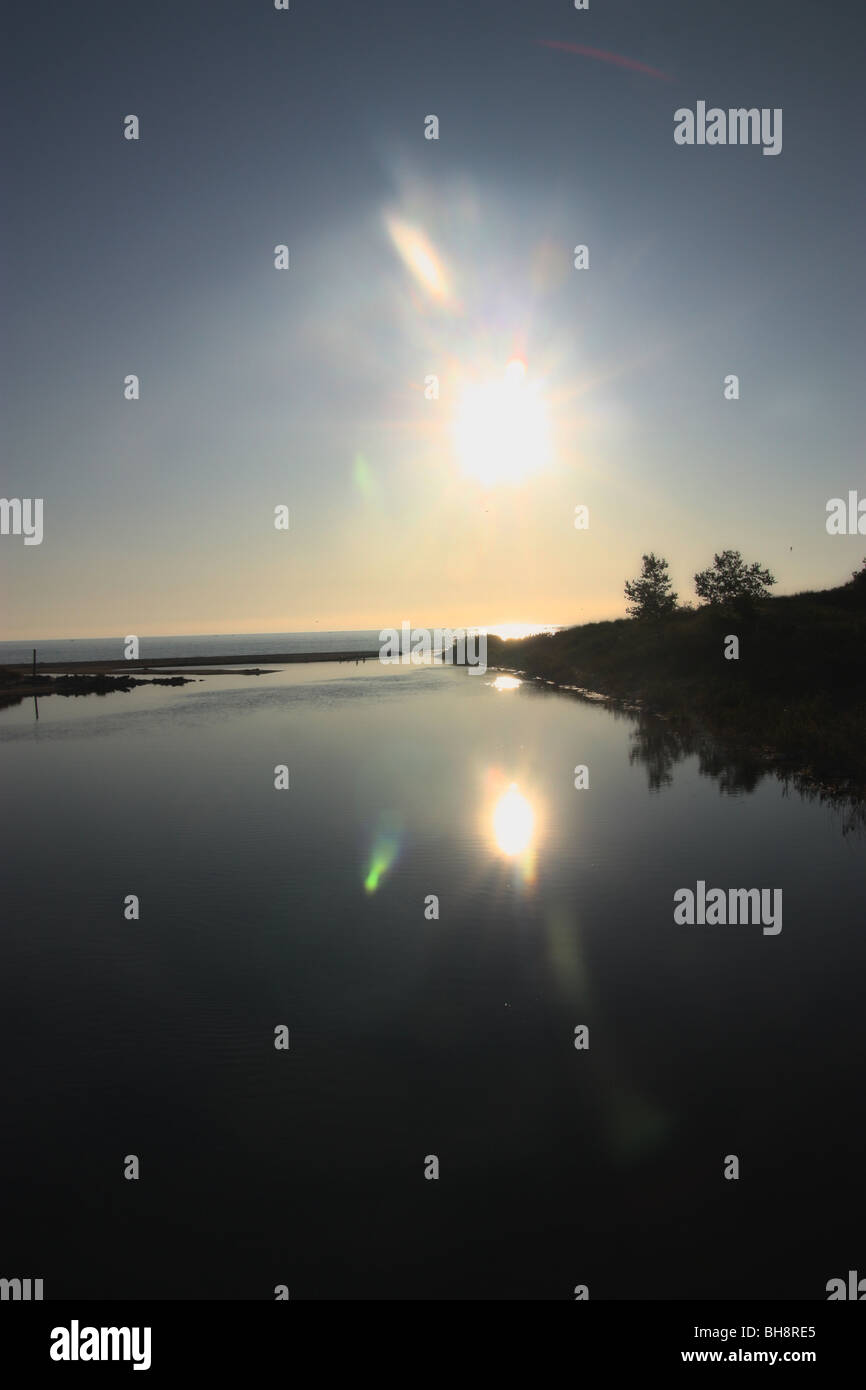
651	594
729	580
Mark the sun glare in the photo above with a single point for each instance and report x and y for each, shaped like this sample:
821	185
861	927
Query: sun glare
501	428
513	822
514	631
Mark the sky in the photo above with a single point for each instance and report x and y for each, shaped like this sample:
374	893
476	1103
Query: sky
412	258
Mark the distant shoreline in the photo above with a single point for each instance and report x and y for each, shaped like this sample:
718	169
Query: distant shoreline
65	678
161	663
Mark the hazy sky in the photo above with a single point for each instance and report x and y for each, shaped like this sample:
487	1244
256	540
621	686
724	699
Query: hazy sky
305	387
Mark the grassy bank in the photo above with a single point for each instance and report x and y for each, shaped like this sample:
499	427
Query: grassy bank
797	694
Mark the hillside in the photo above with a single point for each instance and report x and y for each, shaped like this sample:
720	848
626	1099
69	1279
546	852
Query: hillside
797	692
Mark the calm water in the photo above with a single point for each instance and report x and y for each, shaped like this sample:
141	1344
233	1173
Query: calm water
413	1037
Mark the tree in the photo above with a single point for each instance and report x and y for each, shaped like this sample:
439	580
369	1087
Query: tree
729	580
651	594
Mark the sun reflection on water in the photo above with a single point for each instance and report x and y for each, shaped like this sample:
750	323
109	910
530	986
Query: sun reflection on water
513	822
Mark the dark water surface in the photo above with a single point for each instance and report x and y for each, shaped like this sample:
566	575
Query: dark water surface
413	1037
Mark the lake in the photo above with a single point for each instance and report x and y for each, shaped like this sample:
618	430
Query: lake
412	1035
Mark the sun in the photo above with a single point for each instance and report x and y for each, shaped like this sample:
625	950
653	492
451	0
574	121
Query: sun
501	428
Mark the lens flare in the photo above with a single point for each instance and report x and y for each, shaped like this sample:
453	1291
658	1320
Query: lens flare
386	848
419	256
363	475
382	859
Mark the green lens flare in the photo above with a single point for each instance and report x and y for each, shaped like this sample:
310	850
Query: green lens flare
386	847
363	475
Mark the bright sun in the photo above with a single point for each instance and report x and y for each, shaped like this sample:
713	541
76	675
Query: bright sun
501	430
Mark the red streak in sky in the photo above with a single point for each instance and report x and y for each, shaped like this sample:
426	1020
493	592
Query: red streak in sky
605	57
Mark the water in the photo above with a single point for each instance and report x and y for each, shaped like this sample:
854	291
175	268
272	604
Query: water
412	1037
239	645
